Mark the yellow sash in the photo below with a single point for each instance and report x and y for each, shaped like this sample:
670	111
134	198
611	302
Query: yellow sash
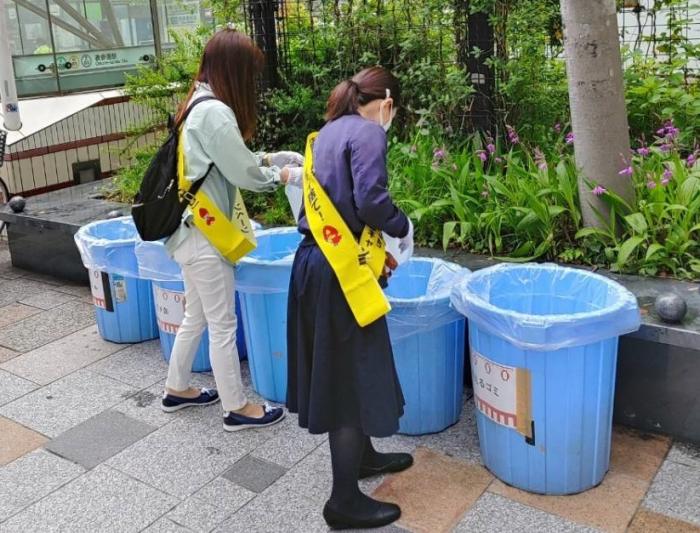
231	234
358	266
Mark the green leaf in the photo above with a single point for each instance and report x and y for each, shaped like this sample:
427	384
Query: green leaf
653	249
448	232
587	232
637	222
627	249
688	189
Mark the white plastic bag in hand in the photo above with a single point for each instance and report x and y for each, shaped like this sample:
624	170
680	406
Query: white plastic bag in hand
295	197
283	159
401	248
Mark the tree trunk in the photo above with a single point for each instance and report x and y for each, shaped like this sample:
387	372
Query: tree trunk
597	100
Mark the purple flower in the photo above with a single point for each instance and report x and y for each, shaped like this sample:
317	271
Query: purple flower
664	181
599	191
668	174
439	153
512	135
570	138
499	160
692	158
665	148
643	151
483	156
627	171
557	127
669	131
651	184
491	148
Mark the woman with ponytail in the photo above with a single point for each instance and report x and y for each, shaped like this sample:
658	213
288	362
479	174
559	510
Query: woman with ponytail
342	378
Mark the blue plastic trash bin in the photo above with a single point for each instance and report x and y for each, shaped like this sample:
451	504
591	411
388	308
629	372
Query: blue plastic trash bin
262	280
123	303
427	337
155	264
543	341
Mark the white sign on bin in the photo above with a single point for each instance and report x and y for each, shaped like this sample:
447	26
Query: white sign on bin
502	393
170	309
101	291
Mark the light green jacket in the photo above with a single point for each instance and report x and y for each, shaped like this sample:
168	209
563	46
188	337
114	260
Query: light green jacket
211	135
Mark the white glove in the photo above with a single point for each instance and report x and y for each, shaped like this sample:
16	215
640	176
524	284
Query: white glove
296	175
284	159
406	243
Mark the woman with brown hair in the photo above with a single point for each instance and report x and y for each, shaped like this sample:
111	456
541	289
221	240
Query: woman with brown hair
212	141
342	378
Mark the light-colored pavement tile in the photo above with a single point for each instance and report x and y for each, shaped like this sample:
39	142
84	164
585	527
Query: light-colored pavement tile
62	357
48	326
311	477
12	291
435	492
646	521
15	312
198	515
290	445
67	402
17	440
165	525
47	299
184	456
30	478
225	494
99	438
497	514
102	500
140	365
277	509
145	405
685	454
13	387
6	354
79	291
675	492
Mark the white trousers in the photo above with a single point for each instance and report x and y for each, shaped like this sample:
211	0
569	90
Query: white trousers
209	300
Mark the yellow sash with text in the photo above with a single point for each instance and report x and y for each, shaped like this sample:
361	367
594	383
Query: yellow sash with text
358	266
231	234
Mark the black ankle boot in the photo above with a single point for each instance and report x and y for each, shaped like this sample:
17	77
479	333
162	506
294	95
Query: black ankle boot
385	463
381	515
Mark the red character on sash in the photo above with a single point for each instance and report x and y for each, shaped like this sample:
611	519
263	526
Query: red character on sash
331	235
209	219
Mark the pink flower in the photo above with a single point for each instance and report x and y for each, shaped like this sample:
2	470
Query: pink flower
483	156
651	184
665	148
491	148
664	181
557	127
692	158
570	137
438	153
499	160
627	171
643	151
512	135
599	191
668	174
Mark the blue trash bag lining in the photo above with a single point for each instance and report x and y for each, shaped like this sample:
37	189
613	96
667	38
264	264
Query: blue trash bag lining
619	315
97	251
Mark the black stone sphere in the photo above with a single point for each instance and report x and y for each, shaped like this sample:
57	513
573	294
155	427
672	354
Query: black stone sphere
670	307
17	204
115	214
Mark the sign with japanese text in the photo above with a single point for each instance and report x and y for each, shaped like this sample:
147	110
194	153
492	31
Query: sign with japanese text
502	393
170	309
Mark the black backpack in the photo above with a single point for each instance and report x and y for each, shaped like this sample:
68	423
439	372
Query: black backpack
159	206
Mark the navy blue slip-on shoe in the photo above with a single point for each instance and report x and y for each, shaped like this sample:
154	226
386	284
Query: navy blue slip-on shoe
235	422
172	403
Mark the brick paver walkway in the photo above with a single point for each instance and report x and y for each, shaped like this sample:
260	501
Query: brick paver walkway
84	447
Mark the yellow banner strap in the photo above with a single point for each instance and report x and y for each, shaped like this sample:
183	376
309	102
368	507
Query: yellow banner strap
230	234
358	266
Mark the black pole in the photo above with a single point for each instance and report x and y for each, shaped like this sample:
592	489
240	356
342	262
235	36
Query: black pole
261	16
480	36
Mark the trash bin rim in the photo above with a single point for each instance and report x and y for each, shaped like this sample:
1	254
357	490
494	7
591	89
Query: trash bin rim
441	297
284	230
84	234
548	319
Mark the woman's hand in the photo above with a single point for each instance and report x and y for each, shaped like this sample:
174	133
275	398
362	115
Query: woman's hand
284	159
390	264
292	176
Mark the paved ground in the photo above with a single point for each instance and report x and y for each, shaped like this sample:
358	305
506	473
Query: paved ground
84	447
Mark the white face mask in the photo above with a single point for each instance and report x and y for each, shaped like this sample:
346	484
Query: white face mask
392	113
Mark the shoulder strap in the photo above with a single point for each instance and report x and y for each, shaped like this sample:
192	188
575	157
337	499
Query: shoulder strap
190	107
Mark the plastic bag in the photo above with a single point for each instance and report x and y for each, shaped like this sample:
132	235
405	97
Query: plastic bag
108	246
419	293
546	307
268	268
295	197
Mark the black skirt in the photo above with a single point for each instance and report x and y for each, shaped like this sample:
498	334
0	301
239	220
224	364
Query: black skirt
339	374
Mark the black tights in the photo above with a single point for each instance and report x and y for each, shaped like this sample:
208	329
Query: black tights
350	448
